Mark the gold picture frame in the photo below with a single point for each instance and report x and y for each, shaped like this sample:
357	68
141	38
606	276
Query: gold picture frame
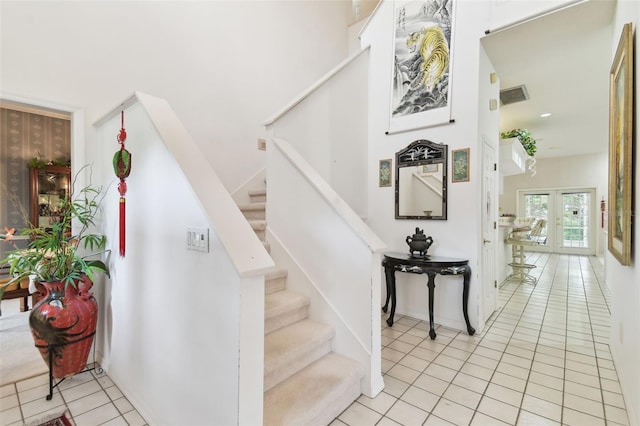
620	148
460	165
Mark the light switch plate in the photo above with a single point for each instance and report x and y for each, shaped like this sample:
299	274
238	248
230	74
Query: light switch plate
198	239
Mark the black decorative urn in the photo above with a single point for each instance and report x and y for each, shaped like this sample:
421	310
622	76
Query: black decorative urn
419	243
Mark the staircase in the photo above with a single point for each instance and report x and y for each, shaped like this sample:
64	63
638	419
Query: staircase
305	382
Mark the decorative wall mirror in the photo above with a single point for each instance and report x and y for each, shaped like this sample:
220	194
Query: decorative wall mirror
421	181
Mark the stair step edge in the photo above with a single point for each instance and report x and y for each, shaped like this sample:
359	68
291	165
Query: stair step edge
283	301
302	400
281	345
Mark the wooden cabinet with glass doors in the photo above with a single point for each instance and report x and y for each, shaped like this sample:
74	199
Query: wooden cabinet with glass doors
49	186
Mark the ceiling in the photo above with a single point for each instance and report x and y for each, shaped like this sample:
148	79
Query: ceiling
563	59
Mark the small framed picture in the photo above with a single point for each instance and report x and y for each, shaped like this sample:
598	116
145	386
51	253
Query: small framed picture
384	173
460	165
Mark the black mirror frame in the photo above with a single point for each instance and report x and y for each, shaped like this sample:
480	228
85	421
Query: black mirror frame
417	153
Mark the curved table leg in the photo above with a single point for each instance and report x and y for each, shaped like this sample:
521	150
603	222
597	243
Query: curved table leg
465	297
388	270
391	283
432	285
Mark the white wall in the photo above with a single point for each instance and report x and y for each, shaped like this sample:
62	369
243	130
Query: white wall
167	311
624	281
459	235
224	66
583	171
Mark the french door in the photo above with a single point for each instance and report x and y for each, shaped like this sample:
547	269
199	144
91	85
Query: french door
570	216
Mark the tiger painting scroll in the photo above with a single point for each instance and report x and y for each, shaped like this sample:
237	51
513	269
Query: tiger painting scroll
422	59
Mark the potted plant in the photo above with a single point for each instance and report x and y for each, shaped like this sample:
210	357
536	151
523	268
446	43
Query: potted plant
524	136
62	262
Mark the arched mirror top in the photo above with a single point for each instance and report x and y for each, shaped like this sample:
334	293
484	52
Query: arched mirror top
421	181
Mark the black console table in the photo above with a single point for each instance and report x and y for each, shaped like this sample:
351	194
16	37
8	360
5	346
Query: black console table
430	265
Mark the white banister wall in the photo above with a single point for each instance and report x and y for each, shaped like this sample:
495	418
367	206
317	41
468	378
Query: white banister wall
328	125
175	319
336	250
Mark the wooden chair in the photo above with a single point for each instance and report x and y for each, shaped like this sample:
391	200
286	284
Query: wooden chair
17	290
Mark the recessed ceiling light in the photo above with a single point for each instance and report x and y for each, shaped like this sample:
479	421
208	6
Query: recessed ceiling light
545	115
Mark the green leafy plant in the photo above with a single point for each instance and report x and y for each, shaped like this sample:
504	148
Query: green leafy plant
524	136
54	253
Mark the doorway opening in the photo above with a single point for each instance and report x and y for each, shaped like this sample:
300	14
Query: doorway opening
571	218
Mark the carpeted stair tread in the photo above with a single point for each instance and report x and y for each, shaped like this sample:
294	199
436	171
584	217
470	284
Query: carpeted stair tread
257	195
283	308
275	281
253	211
291	348
258	225
315	395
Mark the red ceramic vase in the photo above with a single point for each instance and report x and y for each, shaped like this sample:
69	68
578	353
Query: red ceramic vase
63	324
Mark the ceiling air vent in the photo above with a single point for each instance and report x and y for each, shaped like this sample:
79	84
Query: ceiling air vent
513	95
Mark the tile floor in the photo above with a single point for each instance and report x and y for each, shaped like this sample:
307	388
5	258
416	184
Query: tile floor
543	359
89	398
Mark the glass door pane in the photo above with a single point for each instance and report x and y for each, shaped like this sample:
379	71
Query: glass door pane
537	206
577	222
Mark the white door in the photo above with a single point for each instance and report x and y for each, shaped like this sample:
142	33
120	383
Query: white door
570	215
489	230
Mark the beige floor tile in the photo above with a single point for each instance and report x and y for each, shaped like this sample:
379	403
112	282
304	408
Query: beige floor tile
576	418
583	391
10	415
449	362
88	403
392	354
480	419
513	370
503	394
80	391
407	414
434	420
583	405
358	414
441	372
615	414
394	387
98	415
386	421
431	384
414	363
405	374
508	381
452	412
543	392
400	346
462	396
381	403
134	419
9	389
477	371
542	407
420	398
498	409
614	399
9	401
41	405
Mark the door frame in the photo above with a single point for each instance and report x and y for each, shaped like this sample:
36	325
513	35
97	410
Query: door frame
554	219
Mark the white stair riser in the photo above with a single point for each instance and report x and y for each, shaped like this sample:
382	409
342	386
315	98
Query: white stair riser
275	284
282	320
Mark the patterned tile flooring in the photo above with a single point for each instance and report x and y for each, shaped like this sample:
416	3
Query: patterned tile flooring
543	359
89	398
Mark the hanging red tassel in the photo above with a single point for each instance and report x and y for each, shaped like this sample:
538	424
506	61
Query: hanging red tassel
122	168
